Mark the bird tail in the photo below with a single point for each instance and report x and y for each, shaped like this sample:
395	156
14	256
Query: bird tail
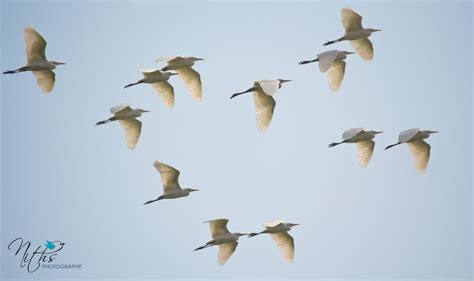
133	84
241	93
154	200
308	61
392	145
335	143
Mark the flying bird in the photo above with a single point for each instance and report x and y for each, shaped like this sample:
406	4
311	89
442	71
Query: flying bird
127	118
263	92
191	78
279	232
169	180
333	63
418	147
159	81
363	139
221	237
356	34
42	69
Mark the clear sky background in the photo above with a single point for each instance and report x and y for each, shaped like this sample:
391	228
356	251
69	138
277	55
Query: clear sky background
64	178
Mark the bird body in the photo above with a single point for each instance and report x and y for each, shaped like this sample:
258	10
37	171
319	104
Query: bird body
35	47
363	139
127	119
221	237
356	34
263	92
279	233
191	78
170	181
159	81
333	63
419	149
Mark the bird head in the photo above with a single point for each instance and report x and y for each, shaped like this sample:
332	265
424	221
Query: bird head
57	62
371	30
195	59
191	189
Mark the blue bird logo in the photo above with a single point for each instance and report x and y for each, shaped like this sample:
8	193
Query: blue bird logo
50	245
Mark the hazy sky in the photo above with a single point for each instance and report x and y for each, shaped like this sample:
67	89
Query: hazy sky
65	179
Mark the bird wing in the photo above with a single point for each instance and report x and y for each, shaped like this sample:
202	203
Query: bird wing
351	20
350	133
225	251
365	150
286	244
45	79
326	59
166	92
132	128
192	80
118	108
336	75
264	107
150	72
273	223
364	48
169	176
408	134
35	45
168	59
421	154
269	87
218	227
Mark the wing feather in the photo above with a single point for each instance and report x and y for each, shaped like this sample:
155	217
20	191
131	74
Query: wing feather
35	45
45	79
264	107
192	80
351	20
166	92
169	176
421	154
286	245
225	251
364	48
326	59
365	150
336	75
132	128
218	227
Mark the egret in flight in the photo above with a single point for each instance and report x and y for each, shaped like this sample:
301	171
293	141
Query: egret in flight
159	81
279	232
221	237
183	68
42	69
418	147
127	118
363	139
169	180
263	92
333	63
356	34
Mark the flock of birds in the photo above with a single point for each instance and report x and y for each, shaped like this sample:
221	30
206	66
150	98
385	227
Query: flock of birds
331	62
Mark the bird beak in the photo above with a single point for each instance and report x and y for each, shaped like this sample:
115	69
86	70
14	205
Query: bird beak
284	81
295	224
377	132
350	53
434	132
145	110
193	189
375	30
199	59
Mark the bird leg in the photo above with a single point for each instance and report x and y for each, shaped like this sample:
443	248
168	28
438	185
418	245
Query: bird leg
133	84
333	41
154	200
246	91
308	61
335	143
255	234
106	121
392	145
21	69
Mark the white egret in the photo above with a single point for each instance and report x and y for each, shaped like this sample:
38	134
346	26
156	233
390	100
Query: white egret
169	180
42	69
183	68
279	232
333	63
363	139
127	118
418	147
263	92
159	81
221	237
356	34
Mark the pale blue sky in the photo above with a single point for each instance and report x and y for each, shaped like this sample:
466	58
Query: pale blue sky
64	178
